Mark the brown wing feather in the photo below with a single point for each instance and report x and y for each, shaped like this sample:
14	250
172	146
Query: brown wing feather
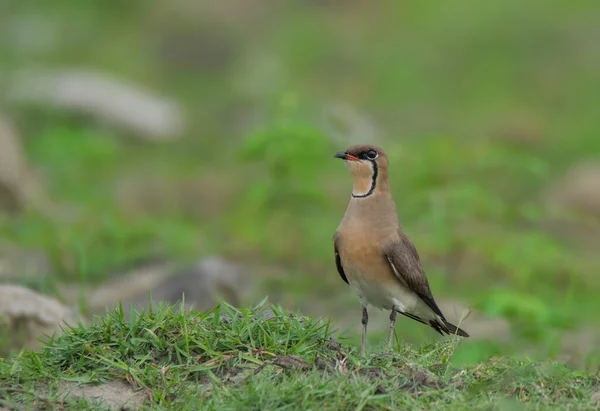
338	261
406	264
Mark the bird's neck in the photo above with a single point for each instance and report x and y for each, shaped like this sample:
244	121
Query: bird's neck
377	210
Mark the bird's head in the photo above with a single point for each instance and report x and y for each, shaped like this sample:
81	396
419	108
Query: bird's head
368	166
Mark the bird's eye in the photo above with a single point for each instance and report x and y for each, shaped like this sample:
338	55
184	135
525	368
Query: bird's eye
372	154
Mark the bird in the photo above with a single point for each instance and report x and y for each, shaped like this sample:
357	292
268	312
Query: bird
375	256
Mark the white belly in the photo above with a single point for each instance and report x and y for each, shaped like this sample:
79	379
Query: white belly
386	296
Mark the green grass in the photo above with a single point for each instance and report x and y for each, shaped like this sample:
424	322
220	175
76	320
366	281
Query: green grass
267	358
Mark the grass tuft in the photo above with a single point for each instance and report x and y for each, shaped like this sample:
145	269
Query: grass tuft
267	358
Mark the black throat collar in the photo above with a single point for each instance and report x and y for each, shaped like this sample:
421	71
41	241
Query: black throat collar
373	182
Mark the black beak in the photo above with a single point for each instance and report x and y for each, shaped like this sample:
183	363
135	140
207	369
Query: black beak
341	154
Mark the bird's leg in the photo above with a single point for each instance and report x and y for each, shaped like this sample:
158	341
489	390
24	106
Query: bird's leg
365	320
392	322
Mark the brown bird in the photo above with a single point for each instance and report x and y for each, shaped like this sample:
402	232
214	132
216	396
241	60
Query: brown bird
375	256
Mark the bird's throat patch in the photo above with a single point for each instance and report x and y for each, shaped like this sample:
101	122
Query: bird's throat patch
370	185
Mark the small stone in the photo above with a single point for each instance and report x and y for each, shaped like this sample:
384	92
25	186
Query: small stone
106	99
27	316
200	285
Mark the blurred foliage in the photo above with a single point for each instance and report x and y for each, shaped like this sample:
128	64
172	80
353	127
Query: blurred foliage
282	201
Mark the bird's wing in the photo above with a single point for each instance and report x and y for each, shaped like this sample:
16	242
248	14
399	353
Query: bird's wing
338	260
406	265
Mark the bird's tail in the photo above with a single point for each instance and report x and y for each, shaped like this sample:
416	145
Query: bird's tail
444	327
453	329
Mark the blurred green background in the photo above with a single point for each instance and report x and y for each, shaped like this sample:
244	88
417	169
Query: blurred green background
489	112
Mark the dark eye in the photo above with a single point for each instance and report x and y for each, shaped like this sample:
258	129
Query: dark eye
371	154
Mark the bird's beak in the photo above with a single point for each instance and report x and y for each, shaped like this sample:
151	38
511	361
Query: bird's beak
345	156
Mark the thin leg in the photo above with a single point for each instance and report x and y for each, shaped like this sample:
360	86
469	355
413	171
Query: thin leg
392	322
365	320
